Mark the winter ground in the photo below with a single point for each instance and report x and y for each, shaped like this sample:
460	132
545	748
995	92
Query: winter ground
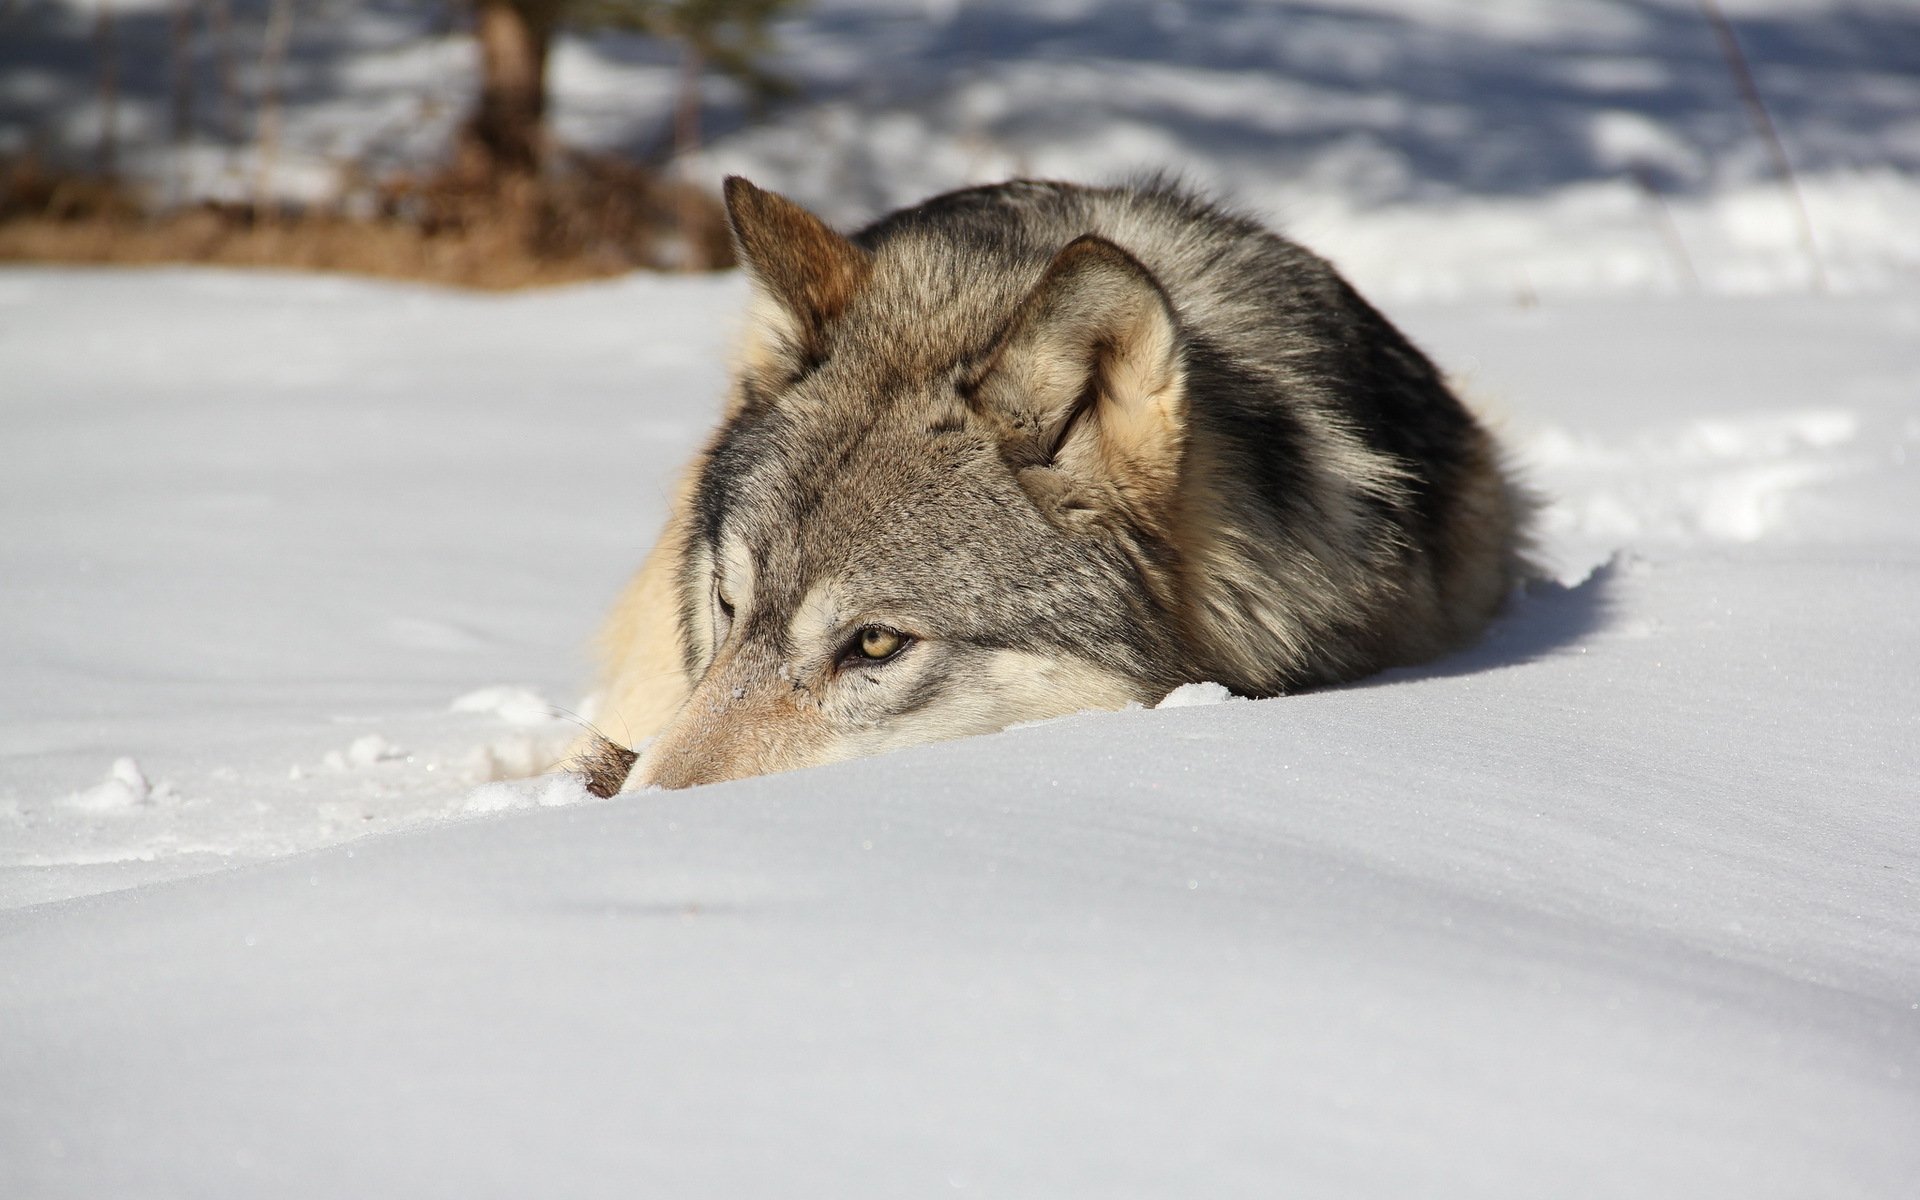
1624	901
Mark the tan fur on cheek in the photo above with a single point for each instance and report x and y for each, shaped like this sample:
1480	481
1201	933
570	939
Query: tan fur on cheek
1007	688
643	680
1034	687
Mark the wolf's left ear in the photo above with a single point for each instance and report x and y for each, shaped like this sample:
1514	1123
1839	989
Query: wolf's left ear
807	272
1089	378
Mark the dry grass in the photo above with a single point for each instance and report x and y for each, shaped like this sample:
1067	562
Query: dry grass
596	219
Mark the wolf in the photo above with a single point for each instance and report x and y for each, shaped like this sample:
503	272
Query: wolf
1034	448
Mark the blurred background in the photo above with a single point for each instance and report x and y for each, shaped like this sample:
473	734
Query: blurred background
1433	148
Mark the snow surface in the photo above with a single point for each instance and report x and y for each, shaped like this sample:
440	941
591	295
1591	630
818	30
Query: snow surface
1622	901
296	576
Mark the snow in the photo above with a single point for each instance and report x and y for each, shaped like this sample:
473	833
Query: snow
296	577
125	786
514	705
262	532
1621	900
1189	695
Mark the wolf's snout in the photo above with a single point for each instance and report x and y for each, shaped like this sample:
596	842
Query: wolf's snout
740	721
688	753
672	771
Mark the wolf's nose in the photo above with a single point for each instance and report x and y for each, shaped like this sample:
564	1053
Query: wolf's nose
671	771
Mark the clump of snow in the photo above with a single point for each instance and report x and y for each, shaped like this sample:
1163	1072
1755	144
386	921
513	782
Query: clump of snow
372	748
495	797
1193	695
367	750
549	791
125	786
516	756
514	705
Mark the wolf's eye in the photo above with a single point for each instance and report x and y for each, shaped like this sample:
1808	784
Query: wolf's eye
873	644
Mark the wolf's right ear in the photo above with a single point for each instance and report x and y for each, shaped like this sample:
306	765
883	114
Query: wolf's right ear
804	274
1089	380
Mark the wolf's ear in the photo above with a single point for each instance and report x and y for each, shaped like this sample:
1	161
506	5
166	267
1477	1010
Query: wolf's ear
805	273
1089	379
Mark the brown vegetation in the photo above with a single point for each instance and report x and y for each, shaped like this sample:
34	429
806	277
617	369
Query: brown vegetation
591	218
507	207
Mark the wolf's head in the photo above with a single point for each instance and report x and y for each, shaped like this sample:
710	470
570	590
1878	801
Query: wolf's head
942	501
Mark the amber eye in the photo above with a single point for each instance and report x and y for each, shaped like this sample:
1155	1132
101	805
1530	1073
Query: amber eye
875	643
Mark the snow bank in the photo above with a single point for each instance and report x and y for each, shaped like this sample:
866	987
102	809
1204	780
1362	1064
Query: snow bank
1622	900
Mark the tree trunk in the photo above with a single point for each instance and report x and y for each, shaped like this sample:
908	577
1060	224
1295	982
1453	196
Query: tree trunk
106	49
686	107
506	135
222	16
180	47
273	55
